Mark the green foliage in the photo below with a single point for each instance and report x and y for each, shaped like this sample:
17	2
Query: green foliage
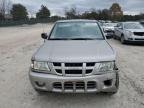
116	12
19	12
71	13
115	7
43	13
1	16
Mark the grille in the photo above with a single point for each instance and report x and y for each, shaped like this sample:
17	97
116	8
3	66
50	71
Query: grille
138	39
73	64
79	69
59	71
73	71
75	86
90	64
57	64
139	33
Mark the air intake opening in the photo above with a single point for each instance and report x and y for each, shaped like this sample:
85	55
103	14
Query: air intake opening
80	85
91	85
108	82
68	85
57	85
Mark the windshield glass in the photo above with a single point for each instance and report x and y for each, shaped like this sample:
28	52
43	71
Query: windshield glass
142	23
76	30
133	26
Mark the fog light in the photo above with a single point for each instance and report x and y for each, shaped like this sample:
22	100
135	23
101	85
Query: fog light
130	38
40	84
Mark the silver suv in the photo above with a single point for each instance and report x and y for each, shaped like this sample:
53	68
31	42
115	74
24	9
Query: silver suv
129	32
75	58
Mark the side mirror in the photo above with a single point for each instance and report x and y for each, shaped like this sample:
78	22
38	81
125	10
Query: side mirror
44	35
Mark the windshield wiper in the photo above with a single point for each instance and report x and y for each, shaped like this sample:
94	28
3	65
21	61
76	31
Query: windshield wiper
76	39
59	39
87	39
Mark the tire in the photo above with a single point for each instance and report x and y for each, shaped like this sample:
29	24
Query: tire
116	85
114	36
122	39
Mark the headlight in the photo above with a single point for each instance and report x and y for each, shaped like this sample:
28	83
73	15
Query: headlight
105	66
130	33
40	65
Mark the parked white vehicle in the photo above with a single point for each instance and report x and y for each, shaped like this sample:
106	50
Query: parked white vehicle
129	32
109	29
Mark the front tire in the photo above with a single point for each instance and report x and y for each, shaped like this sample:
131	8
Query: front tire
114	36
123	41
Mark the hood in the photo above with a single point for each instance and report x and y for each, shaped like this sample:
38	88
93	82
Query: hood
108	27
136	30
75	51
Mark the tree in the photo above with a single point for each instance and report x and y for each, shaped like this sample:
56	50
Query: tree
5	6
19	12
43	13
71	13
105	14
116	11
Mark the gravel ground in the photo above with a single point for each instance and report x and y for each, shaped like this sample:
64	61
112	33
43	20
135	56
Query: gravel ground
17	44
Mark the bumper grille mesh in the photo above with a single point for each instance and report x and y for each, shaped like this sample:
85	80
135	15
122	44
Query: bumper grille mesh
74	86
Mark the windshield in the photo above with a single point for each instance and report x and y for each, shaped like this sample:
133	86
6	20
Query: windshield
142	24
133	26
110	24
76	30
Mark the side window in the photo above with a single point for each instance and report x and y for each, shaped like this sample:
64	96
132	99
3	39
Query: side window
121	25
118	25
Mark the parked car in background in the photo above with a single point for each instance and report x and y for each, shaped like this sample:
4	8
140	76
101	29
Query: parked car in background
75	58
129	32
109	29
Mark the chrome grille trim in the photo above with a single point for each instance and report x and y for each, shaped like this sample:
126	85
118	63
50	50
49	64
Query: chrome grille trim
63	69
73	66
83	69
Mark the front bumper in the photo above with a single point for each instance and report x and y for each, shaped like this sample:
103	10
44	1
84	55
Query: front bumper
109	33
46	82
136	39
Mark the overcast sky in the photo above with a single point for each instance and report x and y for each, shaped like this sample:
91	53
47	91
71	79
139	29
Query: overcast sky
57	6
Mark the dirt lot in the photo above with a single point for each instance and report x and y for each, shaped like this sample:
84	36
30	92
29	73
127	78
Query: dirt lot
17	44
